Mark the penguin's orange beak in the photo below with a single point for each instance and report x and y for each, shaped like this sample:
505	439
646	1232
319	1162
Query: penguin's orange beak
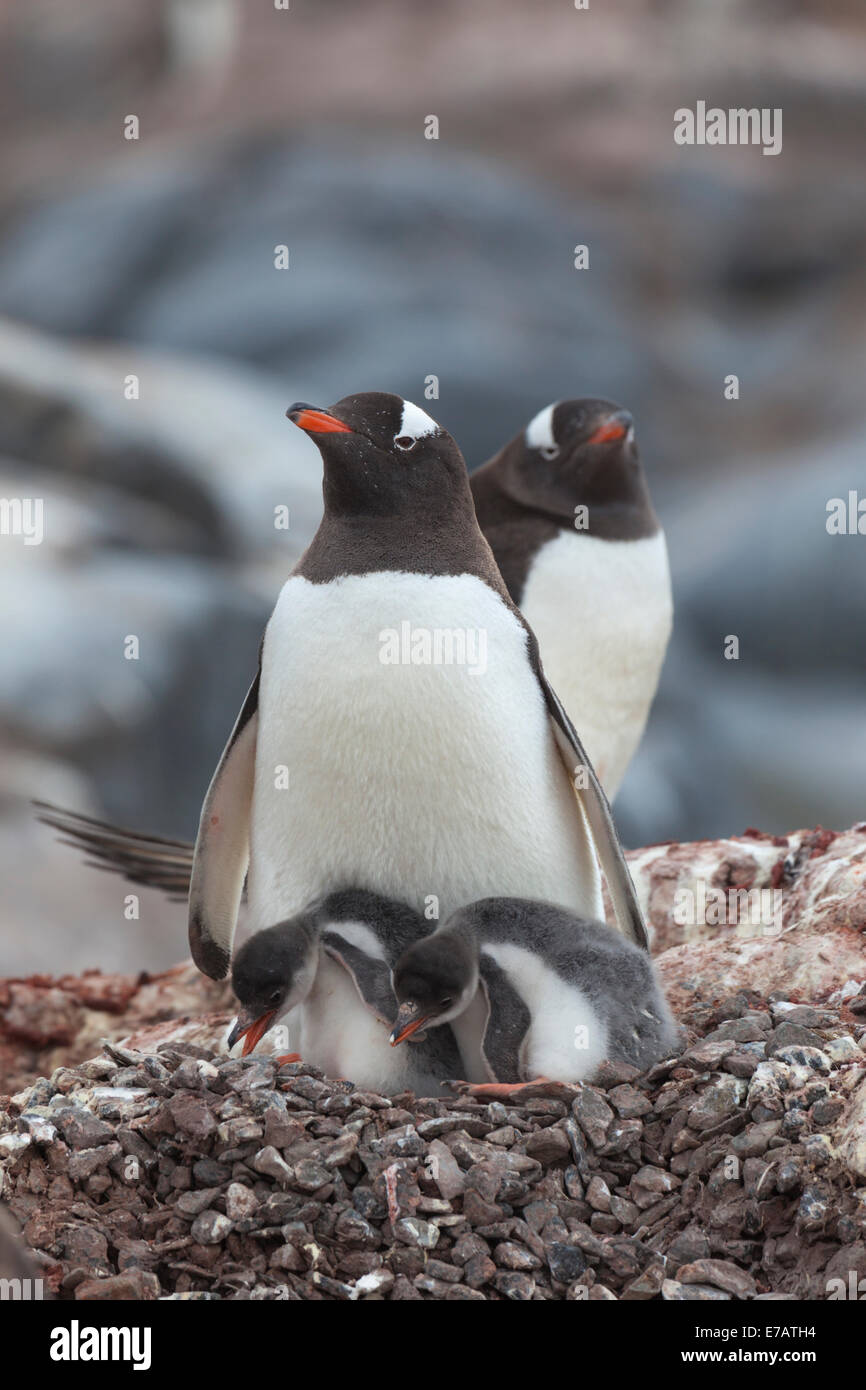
314	421
251	1029
408	1021
614	427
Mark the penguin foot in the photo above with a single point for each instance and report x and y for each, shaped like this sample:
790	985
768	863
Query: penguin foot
514	1091
283	1061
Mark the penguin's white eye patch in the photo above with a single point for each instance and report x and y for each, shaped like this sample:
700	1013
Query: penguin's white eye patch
539	431
414	425
549	451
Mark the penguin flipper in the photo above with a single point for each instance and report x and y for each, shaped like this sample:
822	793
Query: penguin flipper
149	860
597	810
222	847
508	1022
372	977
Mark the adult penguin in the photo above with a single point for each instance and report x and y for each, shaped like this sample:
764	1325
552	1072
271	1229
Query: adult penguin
400	734
567	511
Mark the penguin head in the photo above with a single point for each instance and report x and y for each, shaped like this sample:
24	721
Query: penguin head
434	981
571	453
383	455
271	974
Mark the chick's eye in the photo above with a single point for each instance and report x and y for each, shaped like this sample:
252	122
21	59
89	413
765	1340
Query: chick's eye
405	441
550	451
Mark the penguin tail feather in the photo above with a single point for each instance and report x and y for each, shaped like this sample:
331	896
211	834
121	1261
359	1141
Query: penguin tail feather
151	861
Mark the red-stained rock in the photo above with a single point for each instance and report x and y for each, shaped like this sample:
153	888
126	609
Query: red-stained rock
814	944
47	1022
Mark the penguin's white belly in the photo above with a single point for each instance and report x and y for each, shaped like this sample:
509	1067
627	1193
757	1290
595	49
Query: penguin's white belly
427	781
602	613
567	1038
335	1030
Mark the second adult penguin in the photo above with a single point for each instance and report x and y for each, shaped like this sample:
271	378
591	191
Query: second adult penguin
400	734
567	511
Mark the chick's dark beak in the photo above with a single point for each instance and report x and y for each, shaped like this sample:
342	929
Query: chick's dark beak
315	421
613	426
409	1019
251	1027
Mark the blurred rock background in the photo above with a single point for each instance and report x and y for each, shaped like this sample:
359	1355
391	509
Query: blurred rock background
412	257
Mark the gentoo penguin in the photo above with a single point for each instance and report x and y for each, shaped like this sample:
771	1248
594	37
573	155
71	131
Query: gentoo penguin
566	509
330	969
532	992
400	733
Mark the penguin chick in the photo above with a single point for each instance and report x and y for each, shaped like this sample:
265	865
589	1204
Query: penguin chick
532	992
332	965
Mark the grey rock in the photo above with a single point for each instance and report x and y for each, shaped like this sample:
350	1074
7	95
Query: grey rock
721	1274
270	1163
675	1292
566	1262
718	1102
83	1130
210	1228
413	1231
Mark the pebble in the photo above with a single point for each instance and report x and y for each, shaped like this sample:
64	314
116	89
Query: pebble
241	1202
416	1232
708	1055
548	1145
843	1049
688	1246
519	1287
788	1034
210	1228
566	1262
598	1194
718	1102
799	1055
629	1102
593	1114
675	1292
81	1129
721	1274
272	1165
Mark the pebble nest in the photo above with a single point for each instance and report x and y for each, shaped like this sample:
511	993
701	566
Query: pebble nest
184	1174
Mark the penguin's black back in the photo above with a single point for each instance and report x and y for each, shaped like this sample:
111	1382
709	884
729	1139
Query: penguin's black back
617	977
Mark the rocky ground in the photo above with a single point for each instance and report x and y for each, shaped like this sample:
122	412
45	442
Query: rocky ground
734	1170
158	1167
